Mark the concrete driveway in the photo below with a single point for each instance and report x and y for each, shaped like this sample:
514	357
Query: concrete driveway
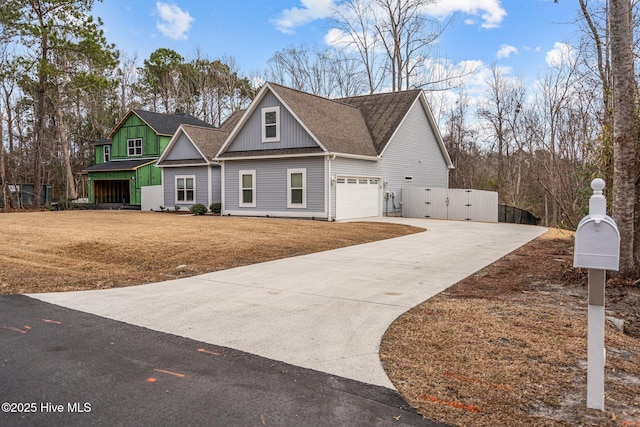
326	311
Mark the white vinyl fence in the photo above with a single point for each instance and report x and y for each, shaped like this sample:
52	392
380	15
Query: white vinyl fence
452	204
152	198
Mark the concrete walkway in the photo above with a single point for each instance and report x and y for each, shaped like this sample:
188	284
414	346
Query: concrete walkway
326	311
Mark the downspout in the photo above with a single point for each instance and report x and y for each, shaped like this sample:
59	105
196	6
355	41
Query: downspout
330	181
209	184
162	179
222	187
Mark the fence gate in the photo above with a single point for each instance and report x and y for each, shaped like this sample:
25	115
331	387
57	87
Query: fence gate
451	204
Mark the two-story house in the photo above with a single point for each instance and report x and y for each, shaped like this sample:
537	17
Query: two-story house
125	160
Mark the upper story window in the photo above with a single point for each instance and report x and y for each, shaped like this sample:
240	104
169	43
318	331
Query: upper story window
107	153
271	124
134	147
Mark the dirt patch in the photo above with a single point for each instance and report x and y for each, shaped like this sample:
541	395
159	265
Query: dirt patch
507	345
80	250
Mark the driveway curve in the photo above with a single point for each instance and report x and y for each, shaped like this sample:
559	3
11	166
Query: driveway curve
325	311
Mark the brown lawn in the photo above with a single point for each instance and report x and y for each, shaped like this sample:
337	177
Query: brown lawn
506	346
77	250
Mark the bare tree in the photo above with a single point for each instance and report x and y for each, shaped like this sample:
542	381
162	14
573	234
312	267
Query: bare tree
505	97
406	33
461	142
355	20
303	68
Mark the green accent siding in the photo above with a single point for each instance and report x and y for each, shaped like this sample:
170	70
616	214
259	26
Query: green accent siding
152	146
164	142
99	154
133	128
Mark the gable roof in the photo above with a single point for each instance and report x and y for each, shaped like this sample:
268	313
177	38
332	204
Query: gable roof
162	124
337	126
358	126
383	113
207	140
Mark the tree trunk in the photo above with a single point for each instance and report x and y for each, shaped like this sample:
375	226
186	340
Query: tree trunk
72	192
3	172
624	152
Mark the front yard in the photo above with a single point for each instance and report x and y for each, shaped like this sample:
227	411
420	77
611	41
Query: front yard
506	346
80	250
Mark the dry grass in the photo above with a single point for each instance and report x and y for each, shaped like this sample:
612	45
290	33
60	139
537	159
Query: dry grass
77	250
507	346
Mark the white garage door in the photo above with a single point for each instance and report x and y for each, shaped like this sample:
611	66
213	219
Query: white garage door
357	197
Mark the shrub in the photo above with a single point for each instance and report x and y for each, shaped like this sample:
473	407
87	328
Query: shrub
198	209
215	207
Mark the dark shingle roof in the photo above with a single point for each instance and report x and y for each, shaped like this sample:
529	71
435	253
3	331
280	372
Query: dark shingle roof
103	141
232	120
167	124
119	165
163	124
383	113
359	125
338	126
208	140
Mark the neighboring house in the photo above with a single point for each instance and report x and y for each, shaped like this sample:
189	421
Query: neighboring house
125	161
189	174
23	195
293	154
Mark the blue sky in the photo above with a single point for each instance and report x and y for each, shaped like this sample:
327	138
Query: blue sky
519	34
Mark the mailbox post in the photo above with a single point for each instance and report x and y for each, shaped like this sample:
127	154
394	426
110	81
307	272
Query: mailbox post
597	247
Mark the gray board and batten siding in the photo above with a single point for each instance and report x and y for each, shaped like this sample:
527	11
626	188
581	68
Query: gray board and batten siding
184	150
271	187
292	133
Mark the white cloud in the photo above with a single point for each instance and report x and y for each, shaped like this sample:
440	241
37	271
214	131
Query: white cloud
561	53
506	51
336	37
311	10
491	11
174	22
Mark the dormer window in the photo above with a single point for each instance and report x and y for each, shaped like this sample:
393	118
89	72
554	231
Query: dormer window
271	124
107	153
134	147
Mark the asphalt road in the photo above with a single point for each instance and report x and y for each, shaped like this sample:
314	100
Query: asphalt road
64	367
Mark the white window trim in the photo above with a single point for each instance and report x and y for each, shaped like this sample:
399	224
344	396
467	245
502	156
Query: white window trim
264	124
290	204
106	153
182	202
131	144
253	189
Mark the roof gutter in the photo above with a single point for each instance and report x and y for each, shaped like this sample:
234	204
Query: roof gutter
356	156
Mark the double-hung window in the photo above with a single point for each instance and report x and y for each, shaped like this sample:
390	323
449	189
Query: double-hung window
271	124
185	189
296	188
247	194
134	147
107	152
